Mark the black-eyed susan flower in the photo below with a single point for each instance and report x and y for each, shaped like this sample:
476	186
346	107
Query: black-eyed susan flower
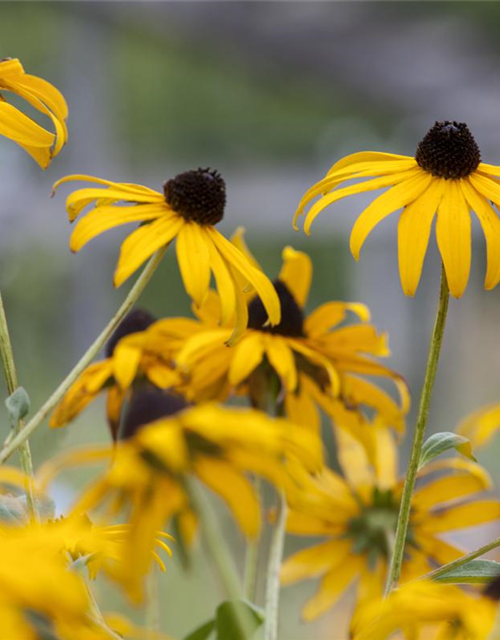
427	610
40	94
218	446
320	359
445	180
190	206
357	513
139	352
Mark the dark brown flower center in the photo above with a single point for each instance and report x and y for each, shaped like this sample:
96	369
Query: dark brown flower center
199	196
492	589
147	404
448	151
136	320
292	318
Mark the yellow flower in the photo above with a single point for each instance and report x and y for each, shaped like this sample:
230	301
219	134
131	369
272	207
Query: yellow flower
440	612
140	349
216	445
358	514
319	359
189	208
481	425
40	94
445	177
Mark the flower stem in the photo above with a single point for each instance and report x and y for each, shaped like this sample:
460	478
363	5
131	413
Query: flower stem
274	570
252	559
153	605
440	571
219	554
10	372
12	444
418	438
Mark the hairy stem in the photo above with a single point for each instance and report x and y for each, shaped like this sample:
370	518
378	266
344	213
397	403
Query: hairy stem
418	437
274	570
12	444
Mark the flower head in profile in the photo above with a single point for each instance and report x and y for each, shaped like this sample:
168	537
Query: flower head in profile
426	609
218	446
357	513
139	353
316	360
446	180
190	206
42	145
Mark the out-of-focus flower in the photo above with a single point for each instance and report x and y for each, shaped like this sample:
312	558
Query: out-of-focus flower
191	205
358	514
481	425
217	446
317	360
446	179
426	610
138	352
40	94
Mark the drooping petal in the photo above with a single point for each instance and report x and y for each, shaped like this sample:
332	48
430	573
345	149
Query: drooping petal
142	243
126	360
301	409
103	218
81	198
481	425
281	359
447	489
248	354
18	127
490	223
296	273
462	516
439	550
314	560
223	305
398	196
330	314
353	460
453	234
414	229
193	257
369	185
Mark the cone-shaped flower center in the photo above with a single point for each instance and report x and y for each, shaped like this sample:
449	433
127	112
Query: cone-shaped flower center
199	196
448	150
136	320
492	590
292	318
148	404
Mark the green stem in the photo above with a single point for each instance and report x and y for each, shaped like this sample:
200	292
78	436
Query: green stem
219	554
418	438
97	617
252	559
274	571
462	560
153	605
10	372
12	444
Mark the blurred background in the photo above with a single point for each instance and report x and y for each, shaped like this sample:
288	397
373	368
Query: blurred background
270	94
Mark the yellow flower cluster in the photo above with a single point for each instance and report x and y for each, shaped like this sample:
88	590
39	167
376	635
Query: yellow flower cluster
252	340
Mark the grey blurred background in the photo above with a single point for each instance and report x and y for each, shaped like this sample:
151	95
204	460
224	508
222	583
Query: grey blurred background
271	94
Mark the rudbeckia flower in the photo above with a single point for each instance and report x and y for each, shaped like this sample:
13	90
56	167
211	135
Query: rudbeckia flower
139	352
357	513
217	446
40	94
320	359
445	180
428	610
190	206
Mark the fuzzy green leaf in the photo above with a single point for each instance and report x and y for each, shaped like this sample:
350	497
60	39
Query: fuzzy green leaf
445	441
473	572
18	405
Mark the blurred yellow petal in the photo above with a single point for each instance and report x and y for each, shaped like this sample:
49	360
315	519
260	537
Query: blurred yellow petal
464	515
126	359
353	459
481	425
447	488
248	354
281	359
296	273
314	560
330	314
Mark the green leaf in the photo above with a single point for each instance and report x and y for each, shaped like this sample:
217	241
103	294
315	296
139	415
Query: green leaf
18	405
441	442
472	572
202	633
79	565
226	622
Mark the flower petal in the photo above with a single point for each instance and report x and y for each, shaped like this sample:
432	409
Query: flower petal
398	196
330	314
248	354
193	257
414	229
453	234
462	516
281	359
314	560
296	273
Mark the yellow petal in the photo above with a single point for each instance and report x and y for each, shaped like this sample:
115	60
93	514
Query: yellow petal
368	157
241	309
234	489
353	459
447	489
490	223
18	127
414	229
142	243
398	196
248	354
238	239
462	516
453	233
440	551
332	586
281	359
301	409
385	459
126	359
314	560
219	307
330	314
481	425
103	218
263	286
296	273
193	257
81	198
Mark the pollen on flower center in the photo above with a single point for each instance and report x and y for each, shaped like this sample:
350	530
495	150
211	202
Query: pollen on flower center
199	196
448	150
292	318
